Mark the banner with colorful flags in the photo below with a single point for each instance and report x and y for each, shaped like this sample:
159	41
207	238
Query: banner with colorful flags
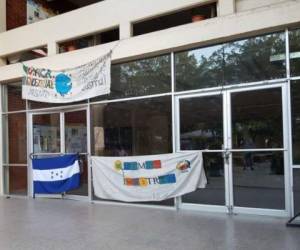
55	175
147	178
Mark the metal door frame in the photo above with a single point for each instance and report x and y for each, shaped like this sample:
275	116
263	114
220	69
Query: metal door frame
61	111
227	142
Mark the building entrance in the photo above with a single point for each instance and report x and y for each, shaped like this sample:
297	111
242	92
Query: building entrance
243	136
61	132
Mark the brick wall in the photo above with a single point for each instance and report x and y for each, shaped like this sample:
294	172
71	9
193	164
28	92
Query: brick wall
16	13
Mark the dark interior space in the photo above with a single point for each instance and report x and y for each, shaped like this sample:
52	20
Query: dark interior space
175	19
91	40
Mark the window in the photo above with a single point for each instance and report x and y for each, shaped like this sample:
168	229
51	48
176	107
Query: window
294	36
89	41
175	19
249	60
138	78
295	92
138	127
27	55
14	139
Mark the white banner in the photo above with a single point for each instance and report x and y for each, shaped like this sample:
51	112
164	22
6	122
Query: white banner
70	85
147	178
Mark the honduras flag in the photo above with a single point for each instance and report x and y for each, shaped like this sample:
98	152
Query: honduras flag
56	175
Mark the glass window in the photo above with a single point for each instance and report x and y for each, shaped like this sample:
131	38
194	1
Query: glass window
46	133
258	180
139	127
139	78
295	91
75	132
12	97
294	37
257	119
296	189
249	60
201	123
15	138
214	192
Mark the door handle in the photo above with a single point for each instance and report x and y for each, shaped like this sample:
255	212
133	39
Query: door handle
226	155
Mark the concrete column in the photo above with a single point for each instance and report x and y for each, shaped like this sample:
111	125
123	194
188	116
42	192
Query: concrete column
2	61
2	15
52	48
125	30
226	7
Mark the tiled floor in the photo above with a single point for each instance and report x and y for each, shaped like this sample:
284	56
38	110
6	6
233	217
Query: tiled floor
64	224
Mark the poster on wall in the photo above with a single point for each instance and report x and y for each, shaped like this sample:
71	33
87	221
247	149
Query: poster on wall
37	11
70	85
147	178
76	139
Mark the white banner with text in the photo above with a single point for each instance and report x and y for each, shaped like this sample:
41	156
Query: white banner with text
70	85
147	178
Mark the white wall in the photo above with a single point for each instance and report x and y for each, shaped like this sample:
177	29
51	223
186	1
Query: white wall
210	31
242	5
100	16
2	15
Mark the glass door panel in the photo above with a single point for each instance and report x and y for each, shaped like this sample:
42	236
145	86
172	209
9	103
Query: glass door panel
257	119
46	133
201	128
214	193
201	123
257	131
75	129
258	180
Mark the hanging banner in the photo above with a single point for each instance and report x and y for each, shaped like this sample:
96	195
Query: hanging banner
147	178
70	85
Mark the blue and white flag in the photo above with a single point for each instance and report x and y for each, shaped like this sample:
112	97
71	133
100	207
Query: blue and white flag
56	175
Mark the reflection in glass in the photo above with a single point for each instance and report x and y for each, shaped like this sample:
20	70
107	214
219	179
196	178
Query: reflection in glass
201	123
75	132
16	141
139	127
295	93
258	180
138	78
15	180
296	189
46	133
257	119
249	60
294	37
214	193
199	68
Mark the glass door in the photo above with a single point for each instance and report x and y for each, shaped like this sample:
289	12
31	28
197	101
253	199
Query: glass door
201	126
257	150
76	141
46	133
45	138
55	133
242	134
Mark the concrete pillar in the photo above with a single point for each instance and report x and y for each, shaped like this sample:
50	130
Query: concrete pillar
2	61
125	30
2	15
226	7
52	48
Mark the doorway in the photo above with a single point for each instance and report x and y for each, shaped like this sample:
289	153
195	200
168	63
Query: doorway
243	136
62	132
